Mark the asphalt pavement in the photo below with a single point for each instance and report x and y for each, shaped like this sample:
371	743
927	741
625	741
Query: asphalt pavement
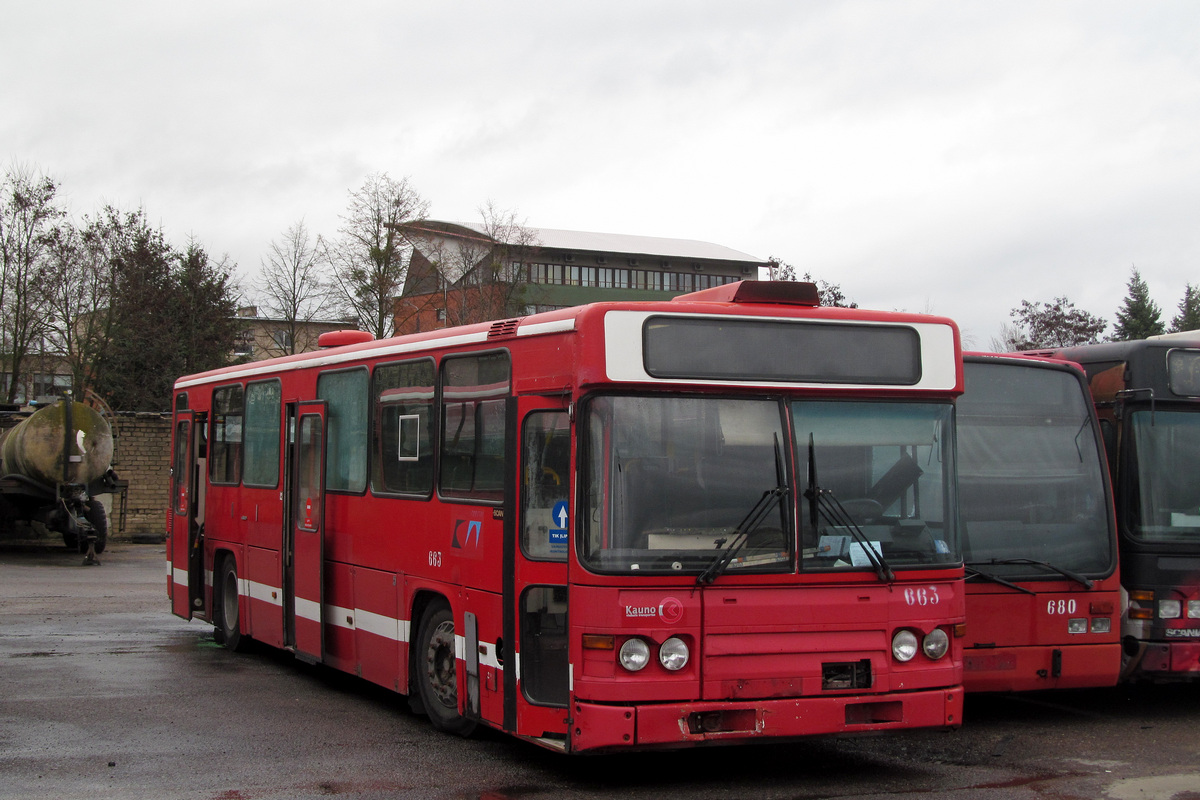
105	694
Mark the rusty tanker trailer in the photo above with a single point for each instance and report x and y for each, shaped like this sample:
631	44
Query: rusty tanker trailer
53	464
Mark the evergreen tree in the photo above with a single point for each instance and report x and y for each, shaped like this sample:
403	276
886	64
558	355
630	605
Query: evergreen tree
1188	318
140	363
1140	317
172	314
204	293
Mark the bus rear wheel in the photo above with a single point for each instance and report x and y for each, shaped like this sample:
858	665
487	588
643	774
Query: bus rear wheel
437	670
228	629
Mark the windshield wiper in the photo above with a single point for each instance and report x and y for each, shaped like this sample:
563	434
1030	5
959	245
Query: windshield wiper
987	576
823	503
1082	427
749	524
1066	573
741	533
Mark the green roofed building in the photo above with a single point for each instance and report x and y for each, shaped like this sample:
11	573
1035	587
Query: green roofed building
462	273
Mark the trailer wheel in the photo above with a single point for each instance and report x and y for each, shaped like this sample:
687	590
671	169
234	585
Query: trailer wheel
225	616
437	670
95	515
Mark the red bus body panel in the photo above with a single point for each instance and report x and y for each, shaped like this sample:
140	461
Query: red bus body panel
1019	641
1015	644
768	651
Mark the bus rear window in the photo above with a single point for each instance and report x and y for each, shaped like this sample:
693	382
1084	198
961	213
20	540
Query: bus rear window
739	349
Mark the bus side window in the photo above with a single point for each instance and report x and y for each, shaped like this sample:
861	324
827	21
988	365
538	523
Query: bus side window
545	473
228	414
346	429
473	426
261	439
403	398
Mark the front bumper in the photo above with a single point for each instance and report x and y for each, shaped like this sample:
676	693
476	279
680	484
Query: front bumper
596	727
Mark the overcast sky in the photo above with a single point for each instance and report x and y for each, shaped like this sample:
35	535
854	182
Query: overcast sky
950	157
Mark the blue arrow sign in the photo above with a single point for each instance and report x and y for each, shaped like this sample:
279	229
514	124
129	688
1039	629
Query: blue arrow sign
560	515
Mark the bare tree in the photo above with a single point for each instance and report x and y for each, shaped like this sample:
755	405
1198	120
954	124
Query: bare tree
370	257
295	288
87	263
1010	339
778	270
490	273
77	294
28	213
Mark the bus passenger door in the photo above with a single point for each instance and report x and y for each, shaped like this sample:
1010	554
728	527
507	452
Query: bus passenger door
187	537
537	587
304	549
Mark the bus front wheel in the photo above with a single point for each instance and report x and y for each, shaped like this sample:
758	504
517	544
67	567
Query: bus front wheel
437	670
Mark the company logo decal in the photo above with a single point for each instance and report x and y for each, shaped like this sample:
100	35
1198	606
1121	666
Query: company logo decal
670	611
1182	633
472	531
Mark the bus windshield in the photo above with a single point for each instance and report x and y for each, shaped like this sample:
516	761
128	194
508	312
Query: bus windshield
699	485
877	484
670	480
1030	474
1166	456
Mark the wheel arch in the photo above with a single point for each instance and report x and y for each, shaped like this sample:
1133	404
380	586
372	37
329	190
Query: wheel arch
422	599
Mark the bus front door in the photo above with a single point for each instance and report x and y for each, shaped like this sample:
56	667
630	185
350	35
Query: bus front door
305	544
187	539
536	589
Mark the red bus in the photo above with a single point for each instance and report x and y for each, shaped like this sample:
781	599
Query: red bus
1038	529
726	517
1147	393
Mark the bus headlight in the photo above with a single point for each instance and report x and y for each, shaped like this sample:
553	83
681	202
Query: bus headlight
634	655
1169	609
904	645
936	644
1193	609
673	654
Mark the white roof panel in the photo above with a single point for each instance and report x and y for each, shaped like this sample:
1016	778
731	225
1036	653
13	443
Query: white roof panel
627	243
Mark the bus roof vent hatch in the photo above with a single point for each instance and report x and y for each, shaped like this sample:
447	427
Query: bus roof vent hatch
504	327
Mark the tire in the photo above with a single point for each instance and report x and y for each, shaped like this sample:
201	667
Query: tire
436	669
94	513
226	602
